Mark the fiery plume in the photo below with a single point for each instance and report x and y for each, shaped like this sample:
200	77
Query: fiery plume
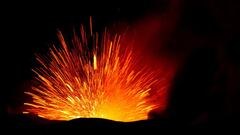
94	76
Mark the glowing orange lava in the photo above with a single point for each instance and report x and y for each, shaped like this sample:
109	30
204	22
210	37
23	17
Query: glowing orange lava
94	76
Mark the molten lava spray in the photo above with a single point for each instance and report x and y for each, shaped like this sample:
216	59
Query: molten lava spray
94	76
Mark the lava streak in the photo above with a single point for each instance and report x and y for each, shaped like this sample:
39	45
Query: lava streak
94	76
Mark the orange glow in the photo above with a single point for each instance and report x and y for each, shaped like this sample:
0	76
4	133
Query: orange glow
105	81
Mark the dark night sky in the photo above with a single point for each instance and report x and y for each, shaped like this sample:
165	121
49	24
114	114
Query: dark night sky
206	34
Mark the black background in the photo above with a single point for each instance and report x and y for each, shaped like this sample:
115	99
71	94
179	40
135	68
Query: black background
205	92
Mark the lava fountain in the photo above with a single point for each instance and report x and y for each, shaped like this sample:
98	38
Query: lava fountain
95	76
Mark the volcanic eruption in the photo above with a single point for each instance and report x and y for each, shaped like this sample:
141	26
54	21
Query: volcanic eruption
95	76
